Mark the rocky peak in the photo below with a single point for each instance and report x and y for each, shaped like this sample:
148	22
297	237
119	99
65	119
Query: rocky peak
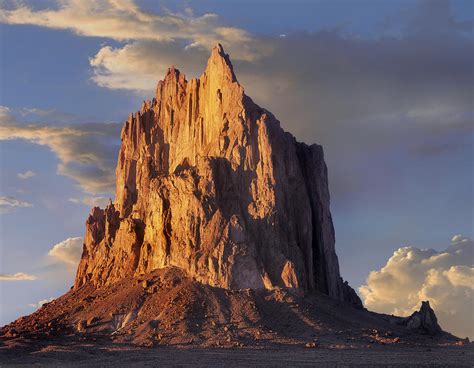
208	182
219	65
424	320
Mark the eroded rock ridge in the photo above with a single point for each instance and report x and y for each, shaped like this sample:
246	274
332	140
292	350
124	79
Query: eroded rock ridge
208	182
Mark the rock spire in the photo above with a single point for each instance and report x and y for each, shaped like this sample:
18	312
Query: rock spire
208	182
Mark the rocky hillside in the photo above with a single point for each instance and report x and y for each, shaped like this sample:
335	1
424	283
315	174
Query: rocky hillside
208	182
165	307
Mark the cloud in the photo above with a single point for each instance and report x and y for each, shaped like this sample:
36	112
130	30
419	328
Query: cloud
54	116
412	275
19	276
68	251
40	303
323	85
87	153
8	204
26	175
114	68
91	201
124	20
406	92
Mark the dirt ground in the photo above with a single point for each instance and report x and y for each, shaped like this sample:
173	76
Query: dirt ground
97	354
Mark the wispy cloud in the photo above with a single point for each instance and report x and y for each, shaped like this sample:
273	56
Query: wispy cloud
26	175
91	201
19	276
68	251
445	278
87	152
8	204
124	20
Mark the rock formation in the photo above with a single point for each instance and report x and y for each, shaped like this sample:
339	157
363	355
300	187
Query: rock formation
208	182
423	320
212	192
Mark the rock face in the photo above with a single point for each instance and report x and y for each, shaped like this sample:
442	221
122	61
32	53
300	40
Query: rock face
424	320
208	182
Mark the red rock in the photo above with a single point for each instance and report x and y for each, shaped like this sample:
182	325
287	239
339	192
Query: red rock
209	182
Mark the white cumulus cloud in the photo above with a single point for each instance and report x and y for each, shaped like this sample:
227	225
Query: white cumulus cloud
411	275
19	276
68	251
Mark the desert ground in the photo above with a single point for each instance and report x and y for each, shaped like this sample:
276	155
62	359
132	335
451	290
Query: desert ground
96	353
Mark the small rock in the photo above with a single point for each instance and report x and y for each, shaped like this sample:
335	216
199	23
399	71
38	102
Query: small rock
148	344
81	326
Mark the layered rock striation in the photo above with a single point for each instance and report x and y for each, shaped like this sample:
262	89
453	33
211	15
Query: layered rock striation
208	182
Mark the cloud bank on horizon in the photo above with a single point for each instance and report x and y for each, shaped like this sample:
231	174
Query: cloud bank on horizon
412	275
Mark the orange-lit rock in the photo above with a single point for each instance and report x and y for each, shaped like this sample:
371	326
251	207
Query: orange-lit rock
208	181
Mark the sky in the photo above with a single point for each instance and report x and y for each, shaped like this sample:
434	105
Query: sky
385	86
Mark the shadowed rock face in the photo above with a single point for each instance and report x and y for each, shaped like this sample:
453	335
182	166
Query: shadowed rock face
208	182
424	320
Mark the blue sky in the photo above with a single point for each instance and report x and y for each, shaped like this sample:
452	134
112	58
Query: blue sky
385	87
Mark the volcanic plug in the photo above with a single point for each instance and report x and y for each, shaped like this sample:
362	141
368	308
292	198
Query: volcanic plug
207	181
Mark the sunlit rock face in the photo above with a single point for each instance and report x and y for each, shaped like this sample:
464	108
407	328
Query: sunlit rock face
209	182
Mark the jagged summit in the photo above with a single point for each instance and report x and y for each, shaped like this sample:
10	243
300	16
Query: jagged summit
219	63
208	182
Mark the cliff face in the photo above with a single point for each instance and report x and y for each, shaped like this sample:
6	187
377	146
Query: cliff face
207	181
